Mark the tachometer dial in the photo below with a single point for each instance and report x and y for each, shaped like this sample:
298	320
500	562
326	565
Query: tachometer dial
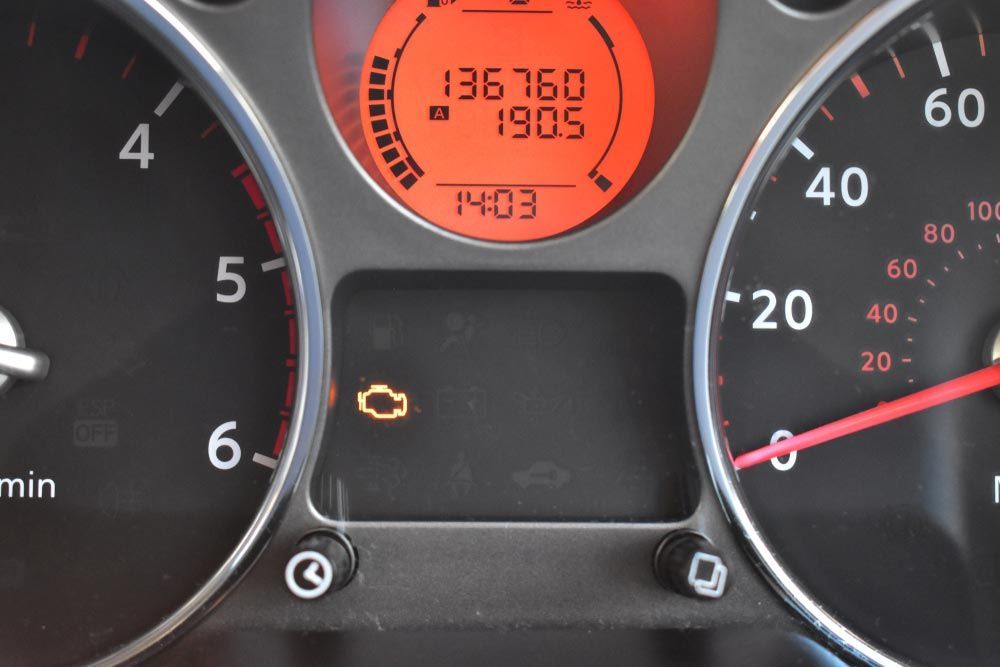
149	340
849	339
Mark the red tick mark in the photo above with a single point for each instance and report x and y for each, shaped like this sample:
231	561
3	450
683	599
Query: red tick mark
210	129
861	86
129	66
81	46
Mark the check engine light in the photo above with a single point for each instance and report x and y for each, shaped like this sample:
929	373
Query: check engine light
382	403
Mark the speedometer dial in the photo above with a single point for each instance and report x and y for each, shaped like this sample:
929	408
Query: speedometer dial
849	342
149	342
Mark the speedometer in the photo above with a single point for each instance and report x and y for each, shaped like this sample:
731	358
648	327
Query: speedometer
151	336
848	341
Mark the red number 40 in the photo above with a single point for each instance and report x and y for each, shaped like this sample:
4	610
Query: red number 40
887	313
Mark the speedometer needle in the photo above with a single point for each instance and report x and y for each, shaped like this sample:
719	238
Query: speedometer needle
973	383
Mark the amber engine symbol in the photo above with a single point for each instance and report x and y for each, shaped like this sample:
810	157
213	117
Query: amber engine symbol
380	402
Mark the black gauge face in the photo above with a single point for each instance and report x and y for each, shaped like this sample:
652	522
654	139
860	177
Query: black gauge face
856	313
139	262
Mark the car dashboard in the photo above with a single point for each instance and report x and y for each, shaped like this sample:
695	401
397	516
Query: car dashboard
395	332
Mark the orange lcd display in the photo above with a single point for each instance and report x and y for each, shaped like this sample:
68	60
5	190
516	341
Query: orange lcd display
507	120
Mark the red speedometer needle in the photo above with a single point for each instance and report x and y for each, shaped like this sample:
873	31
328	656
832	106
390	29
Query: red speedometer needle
973	383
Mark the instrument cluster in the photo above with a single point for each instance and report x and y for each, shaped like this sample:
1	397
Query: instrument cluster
523	330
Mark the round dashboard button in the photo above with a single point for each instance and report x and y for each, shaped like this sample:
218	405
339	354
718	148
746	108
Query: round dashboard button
689	564
324	562
309	575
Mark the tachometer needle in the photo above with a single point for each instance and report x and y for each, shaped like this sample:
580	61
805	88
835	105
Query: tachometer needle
23	364
973	383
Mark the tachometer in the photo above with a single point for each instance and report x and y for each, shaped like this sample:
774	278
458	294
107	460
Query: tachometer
150	339
848	342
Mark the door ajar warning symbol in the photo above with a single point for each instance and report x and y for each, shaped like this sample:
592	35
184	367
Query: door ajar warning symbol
380	402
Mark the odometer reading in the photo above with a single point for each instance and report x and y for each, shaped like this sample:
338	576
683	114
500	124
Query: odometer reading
504	122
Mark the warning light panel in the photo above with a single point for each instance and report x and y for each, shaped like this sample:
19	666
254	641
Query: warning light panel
380	402
516	397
